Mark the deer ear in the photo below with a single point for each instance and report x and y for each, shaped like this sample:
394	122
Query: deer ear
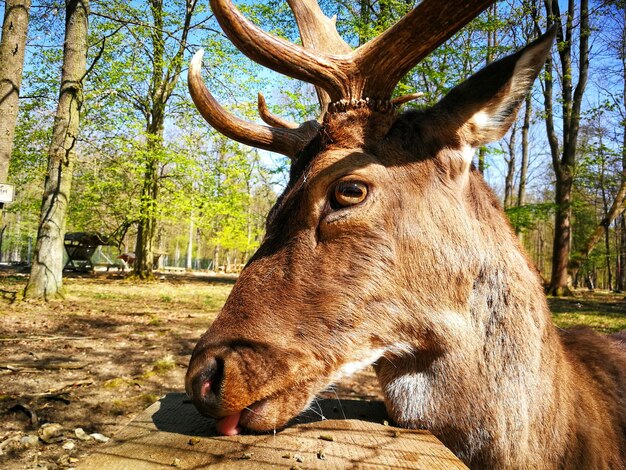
486	104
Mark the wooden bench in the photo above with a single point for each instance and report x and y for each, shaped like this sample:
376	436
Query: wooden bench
172	434
173	269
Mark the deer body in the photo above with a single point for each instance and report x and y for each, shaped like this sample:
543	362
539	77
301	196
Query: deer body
503	388
387	247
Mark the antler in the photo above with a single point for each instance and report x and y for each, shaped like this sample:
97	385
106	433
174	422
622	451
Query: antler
371	71
317	31
272	119
286	141
400	100
367	75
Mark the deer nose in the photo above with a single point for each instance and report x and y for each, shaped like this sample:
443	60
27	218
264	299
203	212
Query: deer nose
205	385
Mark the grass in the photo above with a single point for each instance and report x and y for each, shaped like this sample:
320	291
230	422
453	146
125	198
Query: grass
214	301
155	321
602	311
598	321
115	383
164	364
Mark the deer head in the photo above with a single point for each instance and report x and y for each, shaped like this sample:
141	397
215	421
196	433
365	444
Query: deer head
374	248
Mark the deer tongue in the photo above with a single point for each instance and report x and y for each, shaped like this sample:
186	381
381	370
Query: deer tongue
228	426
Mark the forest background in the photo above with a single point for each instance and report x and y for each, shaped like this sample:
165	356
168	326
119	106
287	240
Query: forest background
149	174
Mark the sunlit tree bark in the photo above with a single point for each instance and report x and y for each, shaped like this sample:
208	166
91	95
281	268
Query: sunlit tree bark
46	279
12	46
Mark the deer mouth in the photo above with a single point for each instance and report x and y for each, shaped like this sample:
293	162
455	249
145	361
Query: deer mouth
268	414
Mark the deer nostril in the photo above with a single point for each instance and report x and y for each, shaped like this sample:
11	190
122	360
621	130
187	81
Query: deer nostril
206	384
205	388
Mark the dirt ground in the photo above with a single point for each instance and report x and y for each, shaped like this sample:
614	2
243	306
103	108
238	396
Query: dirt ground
96	359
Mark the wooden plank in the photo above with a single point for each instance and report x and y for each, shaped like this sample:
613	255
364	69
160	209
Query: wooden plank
171	433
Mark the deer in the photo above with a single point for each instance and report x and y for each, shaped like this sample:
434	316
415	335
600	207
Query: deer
387	247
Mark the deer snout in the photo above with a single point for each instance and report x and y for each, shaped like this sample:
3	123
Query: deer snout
246	383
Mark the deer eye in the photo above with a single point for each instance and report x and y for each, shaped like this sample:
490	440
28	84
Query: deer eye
349	193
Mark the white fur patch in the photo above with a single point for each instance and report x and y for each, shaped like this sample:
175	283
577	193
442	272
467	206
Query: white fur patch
481	119
352	367
400	349
409	395
467	151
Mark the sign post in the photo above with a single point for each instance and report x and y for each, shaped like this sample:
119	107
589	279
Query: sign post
7	193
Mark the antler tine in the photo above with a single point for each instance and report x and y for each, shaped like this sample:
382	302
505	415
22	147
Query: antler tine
289	142
282	56
400	100
272	119
318	33
392	54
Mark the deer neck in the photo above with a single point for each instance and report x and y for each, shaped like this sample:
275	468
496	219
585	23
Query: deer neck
488	368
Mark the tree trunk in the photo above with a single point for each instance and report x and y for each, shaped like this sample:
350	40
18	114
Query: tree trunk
621	256
4	227
216	259
482	160
189	264
560	280
46	273
146	228
607	226
607	247
510	172
523	174
12	46
620	280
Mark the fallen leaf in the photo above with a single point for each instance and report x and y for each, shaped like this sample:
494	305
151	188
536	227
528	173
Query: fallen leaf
99	437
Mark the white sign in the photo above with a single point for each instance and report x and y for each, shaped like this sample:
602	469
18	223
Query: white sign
7	191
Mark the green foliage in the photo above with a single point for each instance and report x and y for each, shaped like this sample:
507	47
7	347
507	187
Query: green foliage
528	216
222	189
216	193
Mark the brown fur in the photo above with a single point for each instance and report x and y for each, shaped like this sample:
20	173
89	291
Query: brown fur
426	278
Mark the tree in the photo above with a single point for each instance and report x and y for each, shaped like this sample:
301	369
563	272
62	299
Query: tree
492	44
523	175
613	204
46	277
164	79
616	42
595	176
510	170
12	47
165	69
564	153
